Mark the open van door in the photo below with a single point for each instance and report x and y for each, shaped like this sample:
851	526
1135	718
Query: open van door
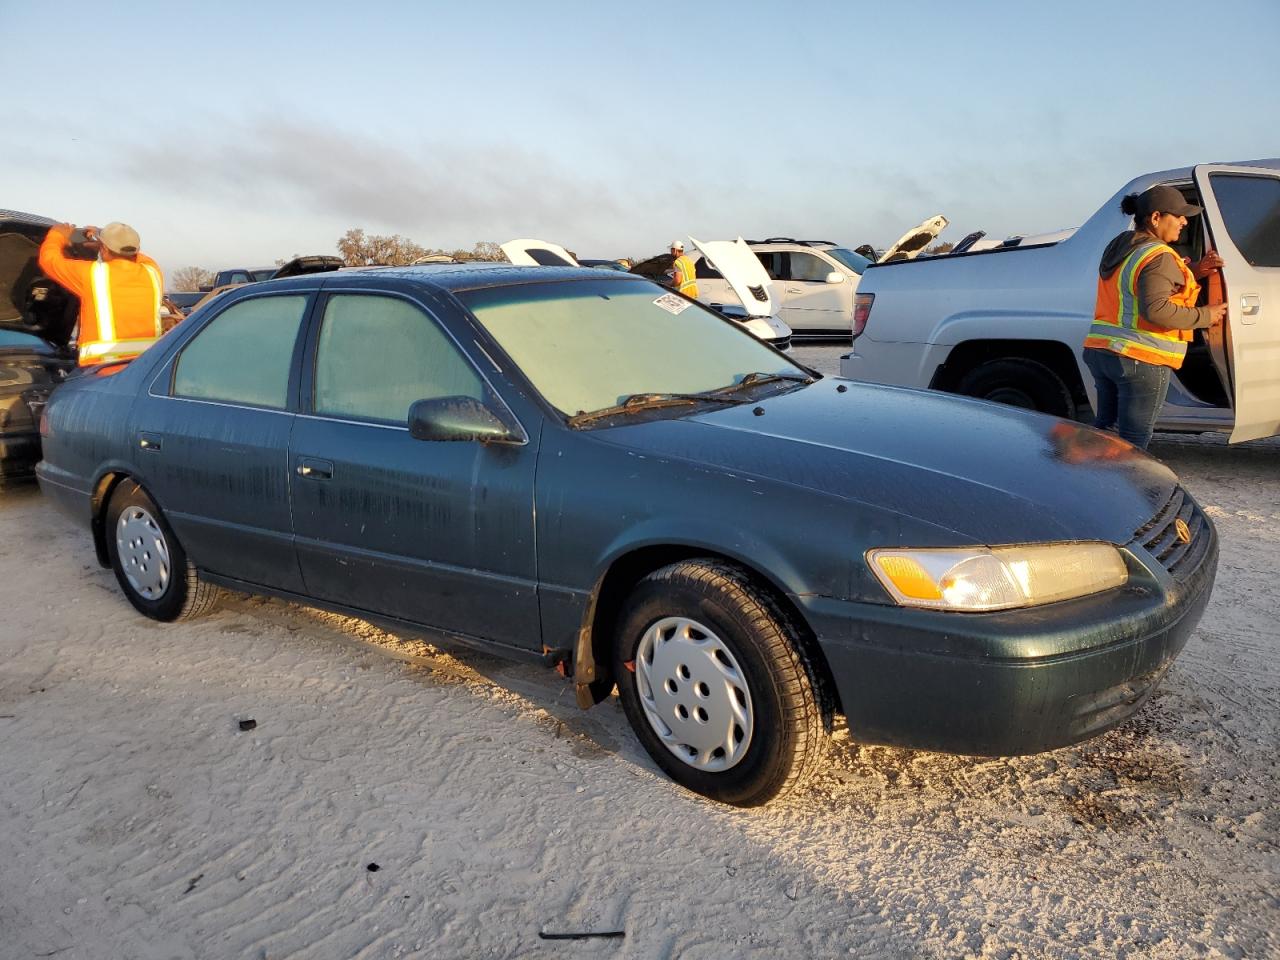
1242	210
537	253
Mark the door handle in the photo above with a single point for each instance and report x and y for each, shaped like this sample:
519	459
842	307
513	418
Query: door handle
149	441
1250	304
314	469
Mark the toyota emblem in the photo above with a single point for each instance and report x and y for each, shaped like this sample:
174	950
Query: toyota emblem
1183	531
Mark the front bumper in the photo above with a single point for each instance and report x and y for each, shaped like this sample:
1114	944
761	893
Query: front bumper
1015	682
19	454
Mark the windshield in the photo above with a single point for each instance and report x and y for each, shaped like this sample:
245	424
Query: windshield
854	261
587	345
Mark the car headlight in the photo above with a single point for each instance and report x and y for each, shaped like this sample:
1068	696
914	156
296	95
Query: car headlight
976	579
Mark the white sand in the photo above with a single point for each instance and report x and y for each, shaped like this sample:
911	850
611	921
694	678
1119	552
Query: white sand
495	808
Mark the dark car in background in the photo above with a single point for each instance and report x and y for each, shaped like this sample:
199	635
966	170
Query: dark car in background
37	319
669	506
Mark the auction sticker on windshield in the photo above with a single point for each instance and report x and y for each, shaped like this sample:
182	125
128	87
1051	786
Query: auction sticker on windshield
672	304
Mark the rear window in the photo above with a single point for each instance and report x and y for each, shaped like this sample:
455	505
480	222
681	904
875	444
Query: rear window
1251	210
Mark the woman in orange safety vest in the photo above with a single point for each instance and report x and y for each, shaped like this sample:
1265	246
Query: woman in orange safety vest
1145	313
119	293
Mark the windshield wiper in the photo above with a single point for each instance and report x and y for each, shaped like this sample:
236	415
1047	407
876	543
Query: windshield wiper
756	378
649	401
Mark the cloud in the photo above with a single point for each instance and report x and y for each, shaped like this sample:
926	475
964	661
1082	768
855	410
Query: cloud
440	185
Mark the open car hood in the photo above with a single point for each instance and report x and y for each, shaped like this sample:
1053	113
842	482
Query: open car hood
743	271
29	301
911	243
537	253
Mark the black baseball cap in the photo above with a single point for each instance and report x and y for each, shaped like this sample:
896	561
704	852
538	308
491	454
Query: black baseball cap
1165	199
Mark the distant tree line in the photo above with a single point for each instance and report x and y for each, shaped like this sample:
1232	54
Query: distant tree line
359	249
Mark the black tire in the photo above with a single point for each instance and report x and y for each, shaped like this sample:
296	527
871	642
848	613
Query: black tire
184	595
1019	382
789	713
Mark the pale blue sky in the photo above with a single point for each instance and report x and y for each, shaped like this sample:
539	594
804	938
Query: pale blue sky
234	133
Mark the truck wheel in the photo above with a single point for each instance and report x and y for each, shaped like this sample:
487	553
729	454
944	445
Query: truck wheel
1018	382
716	684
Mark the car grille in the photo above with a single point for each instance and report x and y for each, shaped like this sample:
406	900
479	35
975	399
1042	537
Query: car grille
759	294
780	343
1159	536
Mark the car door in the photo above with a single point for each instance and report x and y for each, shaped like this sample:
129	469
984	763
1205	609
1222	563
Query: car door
1242	209
812	304
438	533
212	439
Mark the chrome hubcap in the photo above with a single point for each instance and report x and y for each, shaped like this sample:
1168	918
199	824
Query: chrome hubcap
694	694
144	554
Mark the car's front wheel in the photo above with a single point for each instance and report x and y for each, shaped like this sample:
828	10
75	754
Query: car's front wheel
149	563
717	685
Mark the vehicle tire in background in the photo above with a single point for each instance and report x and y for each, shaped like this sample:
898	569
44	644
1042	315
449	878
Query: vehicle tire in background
716	684
1019	382
150	565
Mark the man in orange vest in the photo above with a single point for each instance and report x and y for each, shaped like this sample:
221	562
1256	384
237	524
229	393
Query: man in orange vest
1145	313
119	293
682	276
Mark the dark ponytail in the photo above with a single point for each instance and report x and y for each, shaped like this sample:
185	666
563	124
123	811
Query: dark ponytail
1129	205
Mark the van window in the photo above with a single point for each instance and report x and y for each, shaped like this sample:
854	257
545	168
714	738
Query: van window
1251	210
244	354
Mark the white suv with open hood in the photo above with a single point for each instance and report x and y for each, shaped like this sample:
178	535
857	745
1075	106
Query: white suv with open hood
814	280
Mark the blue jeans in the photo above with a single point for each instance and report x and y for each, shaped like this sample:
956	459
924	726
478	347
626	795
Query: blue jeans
1130	394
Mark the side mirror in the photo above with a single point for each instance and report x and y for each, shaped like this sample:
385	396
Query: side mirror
835	276
461	418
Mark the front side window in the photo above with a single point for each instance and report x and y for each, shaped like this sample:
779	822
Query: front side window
244	354
586	345
1251	210
807	267
379	355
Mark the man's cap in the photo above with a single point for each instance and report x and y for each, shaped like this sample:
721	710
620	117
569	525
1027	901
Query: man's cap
1165	199
120	238
677	244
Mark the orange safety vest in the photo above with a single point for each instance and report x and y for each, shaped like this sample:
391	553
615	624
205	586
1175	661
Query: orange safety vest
1118	324
119	300
684	277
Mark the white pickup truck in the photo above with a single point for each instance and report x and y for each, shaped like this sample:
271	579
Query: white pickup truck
1008	324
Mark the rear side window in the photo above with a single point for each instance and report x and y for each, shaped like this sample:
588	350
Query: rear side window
1251	209
772	263
244	354
378	355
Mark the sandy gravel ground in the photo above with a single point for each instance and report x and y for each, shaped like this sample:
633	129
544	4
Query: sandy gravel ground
137	820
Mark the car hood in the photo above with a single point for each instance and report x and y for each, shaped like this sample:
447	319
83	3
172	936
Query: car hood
743	271
29	301
537	253
987	473
911	243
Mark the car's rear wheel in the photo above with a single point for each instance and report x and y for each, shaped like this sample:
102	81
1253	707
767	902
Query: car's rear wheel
149	563
1019	382
717	685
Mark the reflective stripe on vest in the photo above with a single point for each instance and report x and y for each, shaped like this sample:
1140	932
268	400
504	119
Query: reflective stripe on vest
107	346
686	280
1118	324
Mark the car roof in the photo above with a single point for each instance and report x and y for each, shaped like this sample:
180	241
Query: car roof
476	275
